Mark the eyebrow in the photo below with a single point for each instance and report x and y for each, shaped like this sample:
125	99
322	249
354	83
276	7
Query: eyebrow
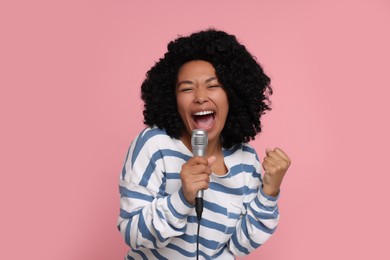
190	82
211	79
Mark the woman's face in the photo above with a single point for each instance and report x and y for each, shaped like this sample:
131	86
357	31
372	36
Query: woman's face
201	100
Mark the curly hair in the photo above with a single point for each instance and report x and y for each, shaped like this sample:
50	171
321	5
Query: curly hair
246	84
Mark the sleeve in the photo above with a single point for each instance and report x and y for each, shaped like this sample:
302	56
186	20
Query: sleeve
148	217
259	220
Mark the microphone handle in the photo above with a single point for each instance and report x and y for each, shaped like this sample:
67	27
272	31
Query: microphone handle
199	152
199	193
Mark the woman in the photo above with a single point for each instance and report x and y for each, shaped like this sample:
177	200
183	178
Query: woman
208	81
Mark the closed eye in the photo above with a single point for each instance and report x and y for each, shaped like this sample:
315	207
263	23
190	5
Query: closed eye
185	89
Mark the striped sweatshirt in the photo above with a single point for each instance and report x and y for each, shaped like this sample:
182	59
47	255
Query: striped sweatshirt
158	223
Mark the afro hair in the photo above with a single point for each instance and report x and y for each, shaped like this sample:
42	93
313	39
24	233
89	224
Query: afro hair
247	86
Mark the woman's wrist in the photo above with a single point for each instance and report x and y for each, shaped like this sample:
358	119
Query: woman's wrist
270	191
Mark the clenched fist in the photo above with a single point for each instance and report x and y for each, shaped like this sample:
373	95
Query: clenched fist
275	164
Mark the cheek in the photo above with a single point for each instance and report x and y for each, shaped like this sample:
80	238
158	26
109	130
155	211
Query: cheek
182	107
224	104
225	112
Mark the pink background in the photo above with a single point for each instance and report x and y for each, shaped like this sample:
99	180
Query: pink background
70	75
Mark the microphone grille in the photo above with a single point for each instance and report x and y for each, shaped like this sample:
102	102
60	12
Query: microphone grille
199	139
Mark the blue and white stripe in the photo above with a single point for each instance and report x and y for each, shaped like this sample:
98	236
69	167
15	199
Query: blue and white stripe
157	222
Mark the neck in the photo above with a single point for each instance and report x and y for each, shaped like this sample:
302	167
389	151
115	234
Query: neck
214	147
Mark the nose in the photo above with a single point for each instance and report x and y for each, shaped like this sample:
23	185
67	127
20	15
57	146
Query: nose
200	95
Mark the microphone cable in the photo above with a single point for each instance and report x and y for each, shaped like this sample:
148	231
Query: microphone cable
199	210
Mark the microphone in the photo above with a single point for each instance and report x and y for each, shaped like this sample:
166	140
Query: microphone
199	142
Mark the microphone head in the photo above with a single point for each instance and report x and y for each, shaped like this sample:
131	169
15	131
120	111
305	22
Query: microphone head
199	142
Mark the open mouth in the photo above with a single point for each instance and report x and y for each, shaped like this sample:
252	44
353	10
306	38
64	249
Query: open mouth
204	119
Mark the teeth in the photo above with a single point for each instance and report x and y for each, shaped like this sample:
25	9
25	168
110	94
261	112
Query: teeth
202	113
